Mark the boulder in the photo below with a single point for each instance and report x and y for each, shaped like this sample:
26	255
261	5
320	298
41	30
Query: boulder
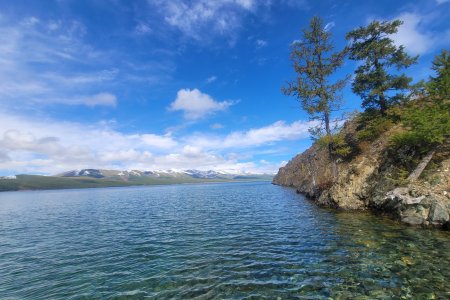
438	213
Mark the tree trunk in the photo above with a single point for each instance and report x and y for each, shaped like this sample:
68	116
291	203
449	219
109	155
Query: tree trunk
421	166
326	119
334	170
383	105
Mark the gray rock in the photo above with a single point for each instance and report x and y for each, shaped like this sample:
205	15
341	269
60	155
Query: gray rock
409	200
438	213
397	193
413	220
401	194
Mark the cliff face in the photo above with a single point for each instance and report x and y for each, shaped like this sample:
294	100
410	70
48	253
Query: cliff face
368	181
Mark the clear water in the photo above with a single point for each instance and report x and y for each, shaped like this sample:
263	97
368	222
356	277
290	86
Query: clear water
209	241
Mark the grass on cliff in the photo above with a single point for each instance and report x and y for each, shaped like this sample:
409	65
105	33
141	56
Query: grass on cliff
413	129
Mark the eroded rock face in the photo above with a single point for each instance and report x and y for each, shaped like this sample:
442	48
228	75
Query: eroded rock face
361	184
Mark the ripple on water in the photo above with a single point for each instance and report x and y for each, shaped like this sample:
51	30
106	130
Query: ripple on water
211	241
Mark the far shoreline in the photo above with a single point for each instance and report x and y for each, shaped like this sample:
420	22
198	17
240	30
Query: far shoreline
135	185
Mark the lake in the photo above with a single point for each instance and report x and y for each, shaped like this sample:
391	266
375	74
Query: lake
209	241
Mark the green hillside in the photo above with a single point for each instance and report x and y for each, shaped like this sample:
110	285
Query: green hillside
37	182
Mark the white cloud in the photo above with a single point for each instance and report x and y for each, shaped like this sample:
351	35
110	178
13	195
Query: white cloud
48	146
261	43
295	42
275	132
192	18
196	104
31	21
52	146
247	4
100	99
142	29
442	1
81	79
127	156
411	35
158	141
211	79
329	25
416	36
49	62
30	46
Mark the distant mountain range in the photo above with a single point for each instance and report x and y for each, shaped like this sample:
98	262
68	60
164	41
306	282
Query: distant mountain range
90	178
134	174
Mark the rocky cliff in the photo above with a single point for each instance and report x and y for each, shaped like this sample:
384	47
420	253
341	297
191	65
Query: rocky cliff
371	179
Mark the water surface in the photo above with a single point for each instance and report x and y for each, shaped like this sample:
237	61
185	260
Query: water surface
209	241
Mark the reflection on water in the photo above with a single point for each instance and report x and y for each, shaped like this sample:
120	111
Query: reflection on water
237	240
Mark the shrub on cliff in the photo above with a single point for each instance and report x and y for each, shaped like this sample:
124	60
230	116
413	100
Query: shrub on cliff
427	120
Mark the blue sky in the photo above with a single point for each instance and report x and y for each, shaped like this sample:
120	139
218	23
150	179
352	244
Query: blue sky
173	84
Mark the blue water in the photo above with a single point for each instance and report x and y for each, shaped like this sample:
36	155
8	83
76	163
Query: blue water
209	241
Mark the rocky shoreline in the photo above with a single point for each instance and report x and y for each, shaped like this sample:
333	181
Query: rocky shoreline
367	181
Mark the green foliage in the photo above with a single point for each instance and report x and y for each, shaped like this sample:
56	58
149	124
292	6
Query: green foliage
372	126
427	120
374	82
314	62
427	125
337	145
439	86
397	177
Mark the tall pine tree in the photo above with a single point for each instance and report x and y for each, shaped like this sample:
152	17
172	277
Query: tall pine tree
375	82
314	63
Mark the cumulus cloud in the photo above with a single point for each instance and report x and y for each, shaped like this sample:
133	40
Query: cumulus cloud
416	36
54	146
275	132
47	146
412	36
196	104
165	142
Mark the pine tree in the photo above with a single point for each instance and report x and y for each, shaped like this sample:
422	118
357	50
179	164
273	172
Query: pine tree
374	82
439	86
314	64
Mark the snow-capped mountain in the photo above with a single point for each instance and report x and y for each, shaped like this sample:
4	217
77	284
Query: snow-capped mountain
84	172
136	174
